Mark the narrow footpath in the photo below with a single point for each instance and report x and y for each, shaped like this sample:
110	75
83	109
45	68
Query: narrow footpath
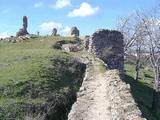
103	96
92	99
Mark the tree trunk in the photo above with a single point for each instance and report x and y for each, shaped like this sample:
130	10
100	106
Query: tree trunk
137	73
137	68
156	93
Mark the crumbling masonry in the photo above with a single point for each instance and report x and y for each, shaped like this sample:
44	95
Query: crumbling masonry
108	46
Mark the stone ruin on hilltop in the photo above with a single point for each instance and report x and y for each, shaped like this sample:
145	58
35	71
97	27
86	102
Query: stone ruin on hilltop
23	31
21	35
104	44
54	32
108	46
74	32
103	94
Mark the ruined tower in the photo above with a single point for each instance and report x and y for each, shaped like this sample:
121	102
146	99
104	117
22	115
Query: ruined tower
54	32
23	30
74	32
108	46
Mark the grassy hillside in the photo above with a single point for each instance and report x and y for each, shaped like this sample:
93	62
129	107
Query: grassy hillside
33	76
21	60
37	78
142	90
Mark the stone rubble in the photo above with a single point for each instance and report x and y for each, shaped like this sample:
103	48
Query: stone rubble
122	104
103	96
71	47
14	39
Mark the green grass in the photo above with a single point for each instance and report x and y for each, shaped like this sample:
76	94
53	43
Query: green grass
18	61
142	90
31	72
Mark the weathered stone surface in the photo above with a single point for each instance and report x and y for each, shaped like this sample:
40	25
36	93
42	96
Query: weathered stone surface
54	32
75	32
71	47
86	42
103	95
13	39
23	31
108	46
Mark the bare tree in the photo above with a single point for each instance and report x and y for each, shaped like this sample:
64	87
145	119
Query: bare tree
152	29
128	29
144	34
132	29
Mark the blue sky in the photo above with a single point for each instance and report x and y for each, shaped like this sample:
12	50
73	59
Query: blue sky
87	15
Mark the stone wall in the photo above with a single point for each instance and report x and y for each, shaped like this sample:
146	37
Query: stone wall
108	46
118	103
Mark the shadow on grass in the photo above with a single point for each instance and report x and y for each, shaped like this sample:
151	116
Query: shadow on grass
149	76
142	95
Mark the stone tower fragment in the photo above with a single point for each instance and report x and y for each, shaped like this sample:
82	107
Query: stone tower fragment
74	32
54	32
23	31
108	46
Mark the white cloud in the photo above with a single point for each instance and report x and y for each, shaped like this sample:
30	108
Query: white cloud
62	3
38	4
84	10
66	30
48	26
4	35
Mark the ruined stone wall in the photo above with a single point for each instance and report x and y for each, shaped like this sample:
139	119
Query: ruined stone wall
118	103
108	46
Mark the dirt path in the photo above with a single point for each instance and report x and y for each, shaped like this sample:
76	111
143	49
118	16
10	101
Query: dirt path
103	95
99	109
92	101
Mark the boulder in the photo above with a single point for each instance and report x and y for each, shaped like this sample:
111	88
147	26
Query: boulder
71	47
